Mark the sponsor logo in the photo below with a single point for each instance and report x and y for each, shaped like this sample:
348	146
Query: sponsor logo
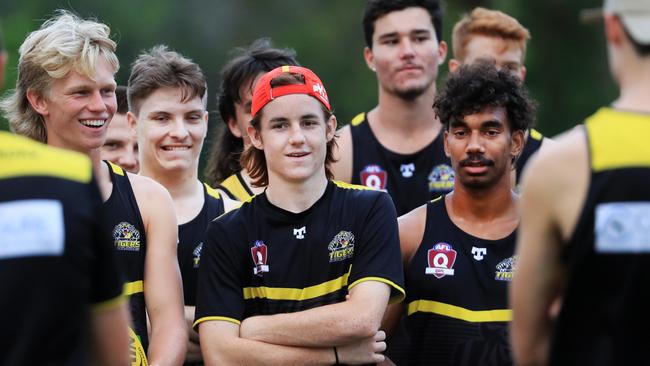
341	247
505	269
318	88
300	233
374	176
34	227
407	170
441	259
441	178
197	254
127	237
260	255
137	355
479	253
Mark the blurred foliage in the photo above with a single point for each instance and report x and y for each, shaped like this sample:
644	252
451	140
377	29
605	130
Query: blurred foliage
566	61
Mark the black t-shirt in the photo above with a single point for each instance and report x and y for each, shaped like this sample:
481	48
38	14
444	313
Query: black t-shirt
410	179
457	295
191	236
56	259
263	260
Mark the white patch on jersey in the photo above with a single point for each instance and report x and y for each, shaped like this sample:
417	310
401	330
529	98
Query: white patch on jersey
479	253
623	227
407	170
30	228
300	233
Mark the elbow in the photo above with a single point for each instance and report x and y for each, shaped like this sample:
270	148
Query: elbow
360	326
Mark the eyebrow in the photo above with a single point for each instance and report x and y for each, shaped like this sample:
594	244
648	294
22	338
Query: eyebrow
485	124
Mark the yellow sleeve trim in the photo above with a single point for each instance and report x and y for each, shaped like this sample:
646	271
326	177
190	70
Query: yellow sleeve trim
457	312
358	119
211	191
234	186
116	168
351	186
131	288
394	298
215	318
107	305
536	135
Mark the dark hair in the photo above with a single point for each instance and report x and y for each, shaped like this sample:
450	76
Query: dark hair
253	159
480	85
122	102
260	57
159	68
643	50
376	9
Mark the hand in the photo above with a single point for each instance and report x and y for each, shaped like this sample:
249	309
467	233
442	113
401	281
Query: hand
364	351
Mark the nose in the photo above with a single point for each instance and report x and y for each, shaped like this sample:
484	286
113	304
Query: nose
129	161
475	143
97	102
179	130
406	48
297	135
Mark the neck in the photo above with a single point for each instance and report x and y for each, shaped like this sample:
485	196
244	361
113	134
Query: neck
296	196
247	179
180	183
102	175
410	116
482	205
635	86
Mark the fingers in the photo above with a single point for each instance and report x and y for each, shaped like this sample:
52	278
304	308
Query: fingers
380	335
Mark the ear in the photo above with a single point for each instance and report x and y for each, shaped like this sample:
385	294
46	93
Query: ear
522	72
132	120
234	129
331	128
613	29
38	102
370	58
255	137
453	64
517	142
446	144
442	52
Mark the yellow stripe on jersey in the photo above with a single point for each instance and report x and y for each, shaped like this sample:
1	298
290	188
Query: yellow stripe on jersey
351	186
536	135
452	311
131	288
211	191
617	139
297	294
21	157
116	168
211	318
358	119
393	299
235	187
108	304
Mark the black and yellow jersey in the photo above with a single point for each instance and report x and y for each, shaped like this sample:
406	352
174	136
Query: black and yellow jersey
191	236
533	143
262	260
130	243
410	179
604	316
55	257
236	188
456	295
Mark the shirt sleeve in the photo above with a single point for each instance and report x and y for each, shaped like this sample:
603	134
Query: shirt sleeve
377	254
219	288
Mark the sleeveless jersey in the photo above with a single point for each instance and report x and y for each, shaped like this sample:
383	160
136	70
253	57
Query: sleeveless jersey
263	260
236	188
456	295
411	180
604	317
191	236
129	236
56	261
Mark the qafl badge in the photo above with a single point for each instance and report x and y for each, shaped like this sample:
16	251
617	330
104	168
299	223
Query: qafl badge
440	260
259	252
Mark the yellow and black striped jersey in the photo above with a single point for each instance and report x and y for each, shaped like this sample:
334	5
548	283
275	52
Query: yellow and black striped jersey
236	188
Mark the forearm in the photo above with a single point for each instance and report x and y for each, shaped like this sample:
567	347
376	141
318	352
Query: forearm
168	344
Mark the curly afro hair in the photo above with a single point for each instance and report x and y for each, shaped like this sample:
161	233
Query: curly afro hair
474	87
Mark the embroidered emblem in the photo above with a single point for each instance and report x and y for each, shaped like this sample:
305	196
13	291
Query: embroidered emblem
407	170
479	253
197	254
300	233
260	256
127	237
441	178
341	247
374	176
505	269
441	259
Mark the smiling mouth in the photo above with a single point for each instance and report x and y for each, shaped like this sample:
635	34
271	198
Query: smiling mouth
93	123
297	155
175	148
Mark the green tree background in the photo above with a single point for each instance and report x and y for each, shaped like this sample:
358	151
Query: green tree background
566	61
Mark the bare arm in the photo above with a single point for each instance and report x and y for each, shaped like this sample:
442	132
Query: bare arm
193	346
225	347
342	168
110	335
162	280
337	324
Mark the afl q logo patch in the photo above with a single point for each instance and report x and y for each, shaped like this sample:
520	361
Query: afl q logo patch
441	259
441	178
137	356
341	247
374	176
127	237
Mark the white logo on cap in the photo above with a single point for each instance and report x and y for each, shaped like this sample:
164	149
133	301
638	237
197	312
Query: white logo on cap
318	88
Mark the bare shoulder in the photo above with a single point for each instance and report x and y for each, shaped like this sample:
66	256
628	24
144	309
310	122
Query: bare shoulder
342	168
152	198
229	204
411	230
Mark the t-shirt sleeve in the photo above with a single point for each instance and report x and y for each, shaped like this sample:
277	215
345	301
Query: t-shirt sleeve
377	254
219	288
106	289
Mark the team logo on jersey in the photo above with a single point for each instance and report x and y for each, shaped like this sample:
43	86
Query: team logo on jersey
197	254
407	170
505	269
300	233
441	178
441	259
126	237
374	176
479	253
137	355
341	247
260	255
